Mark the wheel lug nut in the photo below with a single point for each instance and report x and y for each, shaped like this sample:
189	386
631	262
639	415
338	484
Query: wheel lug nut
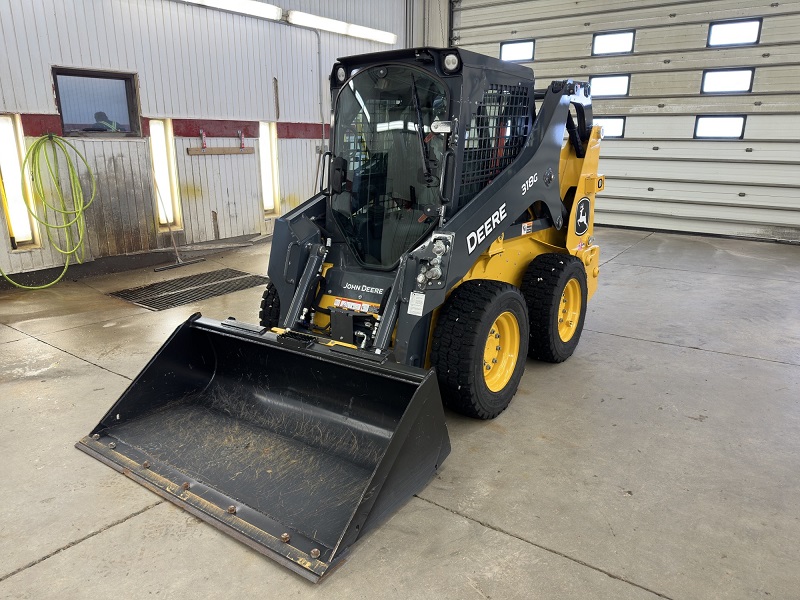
498	348
488	367
497	336
494	361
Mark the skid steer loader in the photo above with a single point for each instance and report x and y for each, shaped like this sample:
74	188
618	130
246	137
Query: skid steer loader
451	239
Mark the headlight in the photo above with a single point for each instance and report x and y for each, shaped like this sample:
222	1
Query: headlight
451	62
341	74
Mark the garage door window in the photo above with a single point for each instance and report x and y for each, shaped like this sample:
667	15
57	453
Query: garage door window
734	33
717	127
95	103
517	51
613	127
727	80
614	85
618	42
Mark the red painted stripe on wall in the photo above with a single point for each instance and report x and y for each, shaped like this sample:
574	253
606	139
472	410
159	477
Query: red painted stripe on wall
214	128
301	131
36	125
218	128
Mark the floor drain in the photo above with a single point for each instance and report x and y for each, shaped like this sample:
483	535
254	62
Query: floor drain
185	290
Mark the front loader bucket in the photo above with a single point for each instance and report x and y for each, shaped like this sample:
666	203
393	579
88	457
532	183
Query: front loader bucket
292	447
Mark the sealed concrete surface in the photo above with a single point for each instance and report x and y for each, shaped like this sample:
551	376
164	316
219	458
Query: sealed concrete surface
660	461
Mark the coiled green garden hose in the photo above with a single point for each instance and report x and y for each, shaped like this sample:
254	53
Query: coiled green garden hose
59	215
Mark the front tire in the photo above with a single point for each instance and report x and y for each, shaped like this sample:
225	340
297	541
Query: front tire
479	347
270	314
555	291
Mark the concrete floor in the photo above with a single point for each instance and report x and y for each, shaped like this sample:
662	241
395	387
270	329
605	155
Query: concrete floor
660	461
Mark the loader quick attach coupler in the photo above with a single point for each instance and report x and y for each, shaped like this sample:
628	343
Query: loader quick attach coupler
293	447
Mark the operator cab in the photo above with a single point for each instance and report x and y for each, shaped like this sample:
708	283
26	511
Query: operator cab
391	160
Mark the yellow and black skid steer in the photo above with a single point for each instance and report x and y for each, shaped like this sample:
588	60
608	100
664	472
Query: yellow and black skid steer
451	239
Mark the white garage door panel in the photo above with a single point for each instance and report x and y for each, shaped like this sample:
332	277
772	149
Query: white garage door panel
550	47
679	60
694	36
781	79
777	79
701	172
758	127
711	226
734	216
734	195
710	104
772	127
753	152
658	39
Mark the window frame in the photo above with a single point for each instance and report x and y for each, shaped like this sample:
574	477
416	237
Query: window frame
522	41
612	137
728	22
633	42
728	92
719	138
609	75
131	96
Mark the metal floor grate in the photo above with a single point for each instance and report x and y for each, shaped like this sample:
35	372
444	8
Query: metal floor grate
185	290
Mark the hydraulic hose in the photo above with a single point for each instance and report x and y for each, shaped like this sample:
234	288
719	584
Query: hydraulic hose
63	214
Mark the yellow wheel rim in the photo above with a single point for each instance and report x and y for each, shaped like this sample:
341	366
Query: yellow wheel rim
501	351
569	310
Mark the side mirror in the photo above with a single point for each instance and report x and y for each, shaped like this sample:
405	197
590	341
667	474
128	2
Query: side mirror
338	175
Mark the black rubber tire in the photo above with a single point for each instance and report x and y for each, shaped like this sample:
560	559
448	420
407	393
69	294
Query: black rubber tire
270	314
458	345
542	286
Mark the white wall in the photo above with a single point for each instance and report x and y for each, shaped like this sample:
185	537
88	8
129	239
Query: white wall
191	61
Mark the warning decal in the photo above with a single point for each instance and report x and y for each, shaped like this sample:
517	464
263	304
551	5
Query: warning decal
416	304
355	305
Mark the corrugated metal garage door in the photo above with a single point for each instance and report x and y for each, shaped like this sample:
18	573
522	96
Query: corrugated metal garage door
658	175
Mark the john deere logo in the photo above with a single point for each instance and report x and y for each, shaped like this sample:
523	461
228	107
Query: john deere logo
582	218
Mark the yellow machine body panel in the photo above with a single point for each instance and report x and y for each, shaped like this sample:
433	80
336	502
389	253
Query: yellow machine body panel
507	259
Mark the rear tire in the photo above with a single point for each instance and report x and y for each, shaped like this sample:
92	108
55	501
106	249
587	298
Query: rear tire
482	324
270	314
555	291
